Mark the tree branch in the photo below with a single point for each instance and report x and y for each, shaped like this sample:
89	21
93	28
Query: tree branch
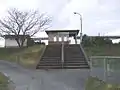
23	23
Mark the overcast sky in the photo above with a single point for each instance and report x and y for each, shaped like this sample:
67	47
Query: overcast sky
99	16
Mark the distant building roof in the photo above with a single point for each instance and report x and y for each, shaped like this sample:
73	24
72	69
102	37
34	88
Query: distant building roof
62	30
14	36
71	32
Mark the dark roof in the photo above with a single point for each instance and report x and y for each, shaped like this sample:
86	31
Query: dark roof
44	38
61	30
71	32
14	36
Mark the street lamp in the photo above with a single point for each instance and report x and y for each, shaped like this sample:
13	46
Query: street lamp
80	25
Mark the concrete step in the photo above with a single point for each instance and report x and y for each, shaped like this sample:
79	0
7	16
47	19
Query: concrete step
49	67
50	57
54	60
74	64
48	64
64	67
53	55
73	54
75	61
77	67
50	61
69	59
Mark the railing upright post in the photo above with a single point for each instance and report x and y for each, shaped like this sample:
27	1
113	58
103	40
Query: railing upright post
62	54
90	62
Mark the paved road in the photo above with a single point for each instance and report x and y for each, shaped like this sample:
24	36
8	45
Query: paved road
25	79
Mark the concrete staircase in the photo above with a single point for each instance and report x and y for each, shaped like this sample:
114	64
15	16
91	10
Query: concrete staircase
73	57
51	58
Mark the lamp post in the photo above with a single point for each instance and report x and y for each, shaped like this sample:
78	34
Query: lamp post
80	25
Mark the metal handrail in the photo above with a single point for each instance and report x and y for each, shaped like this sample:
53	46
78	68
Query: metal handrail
62	54
85	54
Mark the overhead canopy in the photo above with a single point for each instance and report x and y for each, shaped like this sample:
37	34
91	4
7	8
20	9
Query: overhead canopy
71	32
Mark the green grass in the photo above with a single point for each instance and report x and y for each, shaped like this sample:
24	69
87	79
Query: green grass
94	83
3	82
107	50
27	57
3	79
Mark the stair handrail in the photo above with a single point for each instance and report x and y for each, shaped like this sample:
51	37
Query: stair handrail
62	54
43	51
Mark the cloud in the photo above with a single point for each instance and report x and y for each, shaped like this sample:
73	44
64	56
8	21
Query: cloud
2	7
99	16
21	4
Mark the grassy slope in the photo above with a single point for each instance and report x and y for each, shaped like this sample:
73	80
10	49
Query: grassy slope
27	57
3	82
96	84
113	50
3	79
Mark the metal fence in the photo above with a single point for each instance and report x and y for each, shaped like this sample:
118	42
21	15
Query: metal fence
106	68
4	87
7	87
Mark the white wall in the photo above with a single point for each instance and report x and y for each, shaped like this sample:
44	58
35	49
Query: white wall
45	41
71	39
13	43
58	35
2	42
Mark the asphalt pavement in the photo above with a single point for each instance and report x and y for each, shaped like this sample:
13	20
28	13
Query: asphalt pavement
26	79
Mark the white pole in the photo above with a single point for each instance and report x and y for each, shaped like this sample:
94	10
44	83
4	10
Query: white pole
62	53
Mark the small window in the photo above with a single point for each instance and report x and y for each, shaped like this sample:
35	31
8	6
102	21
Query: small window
60	38
55	39
65	38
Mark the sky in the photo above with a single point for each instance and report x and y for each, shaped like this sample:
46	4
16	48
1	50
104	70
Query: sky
99	16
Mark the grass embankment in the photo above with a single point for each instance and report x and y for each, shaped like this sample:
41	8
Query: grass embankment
94	83
27	57
3	82
3	79
107	50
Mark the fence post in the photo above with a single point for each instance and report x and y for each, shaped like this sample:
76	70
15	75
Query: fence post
108	68
105	68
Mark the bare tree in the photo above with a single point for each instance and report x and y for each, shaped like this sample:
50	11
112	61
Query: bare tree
23	23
